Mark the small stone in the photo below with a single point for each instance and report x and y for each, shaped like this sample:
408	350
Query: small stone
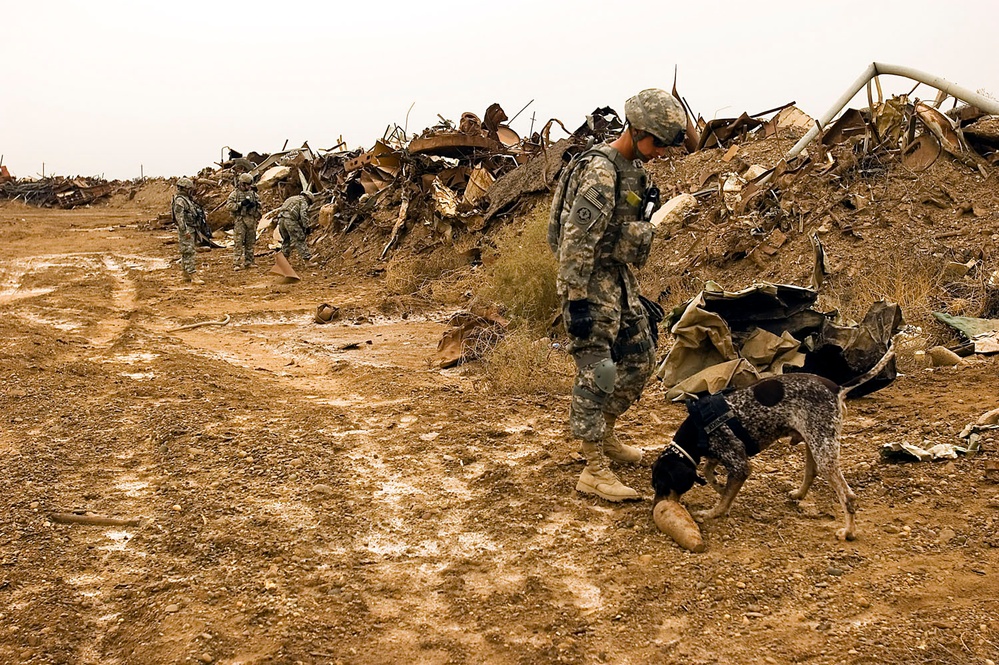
946	535
740	585
33	505
33	640
205	658
891	528
835	572
322	489
176	507
170	609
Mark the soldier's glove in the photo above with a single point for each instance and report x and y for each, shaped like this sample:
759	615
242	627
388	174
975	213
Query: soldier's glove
580	323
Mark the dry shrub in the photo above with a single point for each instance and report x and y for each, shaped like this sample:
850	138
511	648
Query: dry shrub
432	277
522	364
522	271
911	284
919	287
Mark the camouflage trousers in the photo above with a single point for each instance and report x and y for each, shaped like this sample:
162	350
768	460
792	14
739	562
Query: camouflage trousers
244	235
293	234
620	332
185	238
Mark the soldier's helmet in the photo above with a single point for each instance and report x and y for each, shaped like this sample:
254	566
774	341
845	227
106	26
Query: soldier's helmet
185	183
245	179
658	113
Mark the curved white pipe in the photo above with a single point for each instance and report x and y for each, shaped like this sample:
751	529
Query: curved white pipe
984	103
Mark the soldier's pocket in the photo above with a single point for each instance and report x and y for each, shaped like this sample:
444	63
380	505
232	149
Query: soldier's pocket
634	243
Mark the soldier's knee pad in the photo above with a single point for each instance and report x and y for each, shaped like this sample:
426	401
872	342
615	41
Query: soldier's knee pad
605	375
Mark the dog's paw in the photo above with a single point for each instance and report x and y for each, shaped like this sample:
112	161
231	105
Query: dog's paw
845	534
796	495
700	515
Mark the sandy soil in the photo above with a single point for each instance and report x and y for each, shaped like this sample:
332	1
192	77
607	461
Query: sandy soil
306	502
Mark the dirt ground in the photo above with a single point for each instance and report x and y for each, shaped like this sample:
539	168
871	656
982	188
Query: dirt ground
322	494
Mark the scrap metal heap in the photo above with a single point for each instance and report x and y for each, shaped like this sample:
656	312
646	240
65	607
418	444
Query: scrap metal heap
56	192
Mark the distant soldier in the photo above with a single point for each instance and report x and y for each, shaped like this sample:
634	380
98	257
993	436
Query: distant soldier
186	214
293	223
244	206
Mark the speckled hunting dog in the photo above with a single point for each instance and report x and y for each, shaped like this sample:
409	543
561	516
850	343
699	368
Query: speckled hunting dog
805	407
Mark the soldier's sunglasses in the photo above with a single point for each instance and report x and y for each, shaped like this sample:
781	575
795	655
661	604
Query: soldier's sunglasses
677	140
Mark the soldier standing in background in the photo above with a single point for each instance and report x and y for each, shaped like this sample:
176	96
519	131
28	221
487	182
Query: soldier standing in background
598	228
186	214
293	223
244	206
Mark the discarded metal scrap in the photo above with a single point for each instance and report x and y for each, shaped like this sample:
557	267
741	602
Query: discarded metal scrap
57	192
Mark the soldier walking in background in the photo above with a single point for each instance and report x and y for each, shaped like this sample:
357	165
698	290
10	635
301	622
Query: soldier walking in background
293	223
186	214
598	228
244	206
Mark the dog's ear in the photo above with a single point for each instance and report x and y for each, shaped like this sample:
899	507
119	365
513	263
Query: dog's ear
670	473
684	477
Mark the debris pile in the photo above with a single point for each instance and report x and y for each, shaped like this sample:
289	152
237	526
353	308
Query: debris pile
57	192
889	190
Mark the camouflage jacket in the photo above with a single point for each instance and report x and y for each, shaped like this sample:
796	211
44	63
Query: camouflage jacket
234	204
185	211
295	209
602	228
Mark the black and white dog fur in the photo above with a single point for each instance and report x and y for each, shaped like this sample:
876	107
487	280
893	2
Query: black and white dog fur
804	407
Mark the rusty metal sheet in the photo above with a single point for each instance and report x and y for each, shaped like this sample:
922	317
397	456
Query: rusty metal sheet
717	132
454	144
851	123
380	155
509	138
921	153
478	183
940	126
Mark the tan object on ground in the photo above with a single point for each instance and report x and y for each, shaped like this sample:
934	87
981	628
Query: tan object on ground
943	357
673	519
283	268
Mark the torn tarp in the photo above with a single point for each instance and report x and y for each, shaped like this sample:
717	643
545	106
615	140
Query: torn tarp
735	338
982	333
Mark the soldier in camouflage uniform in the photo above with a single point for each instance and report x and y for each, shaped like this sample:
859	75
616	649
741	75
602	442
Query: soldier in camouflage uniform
185	213
293	223
244	206
598	228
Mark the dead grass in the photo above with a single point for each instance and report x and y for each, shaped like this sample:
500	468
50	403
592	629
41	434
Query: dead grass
919	286
441	276
521	272
522	364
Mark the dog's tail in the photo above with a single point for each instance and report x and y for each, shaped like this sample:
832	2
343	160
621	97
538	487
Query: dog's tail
869	374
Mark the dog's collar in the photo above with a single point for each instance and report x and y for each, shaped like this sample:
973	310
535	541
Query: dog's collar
676	446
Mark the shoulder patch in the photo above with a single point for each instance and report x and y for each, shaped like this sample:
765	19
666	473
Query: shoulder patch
594	196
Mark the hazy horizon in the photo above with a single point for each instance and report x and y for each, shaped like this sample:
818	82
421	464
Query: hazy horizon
110	87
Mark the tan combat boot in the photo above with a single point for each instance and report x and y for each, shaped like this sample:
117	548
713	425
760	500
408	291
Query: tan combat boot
598	479
614	449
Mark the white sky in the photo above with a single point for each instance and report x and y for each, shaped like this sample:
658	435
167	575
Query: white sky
102	87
